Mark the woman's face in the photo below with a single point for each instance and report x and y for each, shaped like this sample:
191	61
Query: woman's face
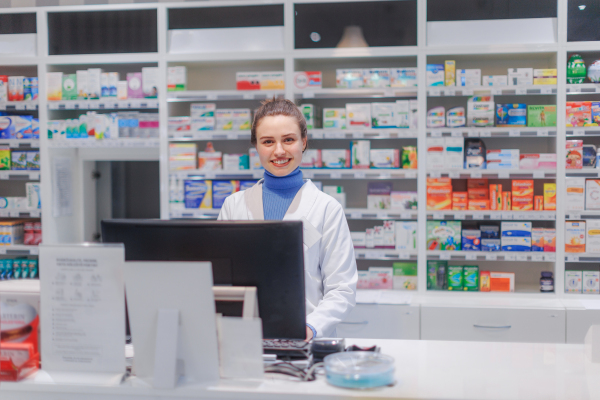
279	144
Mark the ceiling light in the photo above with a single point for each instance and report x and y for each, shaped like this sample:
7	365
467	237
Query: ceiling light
582	7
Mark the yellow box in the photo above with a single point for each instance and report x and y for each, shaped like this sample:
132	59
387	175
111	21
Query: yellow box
545	81
450	73
549	196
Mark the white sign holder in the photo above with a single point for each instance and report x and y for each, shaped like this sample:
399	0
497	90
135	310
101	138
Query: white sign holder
82	313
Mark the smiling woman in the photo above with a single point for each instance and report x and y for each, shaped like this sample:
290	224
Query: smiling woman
280	137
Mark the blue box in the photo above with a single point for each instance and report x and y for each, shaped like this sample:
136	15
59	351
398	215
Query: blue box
471	240
223	189
197	193
516	229
511	115
247	184
490	245
517	243
490	231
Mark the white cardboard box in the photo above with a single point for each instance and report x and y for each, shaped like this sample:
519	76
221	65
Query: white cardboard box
590	282
575	199
592	194
573	283
592	239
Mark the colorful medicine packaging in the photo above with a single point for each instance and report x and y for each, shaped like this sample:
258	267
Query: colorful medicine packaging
376	77
455	277
272	80
379	195
502	281
522	195
349	78
471	240
382	115
592	194
468	77
247	80
575	196
541	115
436	117
197	193
381	277
360	151
511	115
575	235
502	159
308	80
450	73
384	158
334	118
520	76
590	282
405	276
439	194
573	281
403	77
494	80
453	153
435	75
579	113
405	235
358	115
456	117
471	278
335	158
444	235
221	189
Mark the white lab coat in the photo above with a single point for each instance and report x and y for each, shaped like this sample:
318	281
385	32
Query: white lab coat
330	275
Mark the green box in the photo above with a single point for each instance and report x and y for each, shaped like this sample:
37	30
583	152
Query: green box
455	277
471	278
436	275
405	276
4	158
69	87
541	116
444	235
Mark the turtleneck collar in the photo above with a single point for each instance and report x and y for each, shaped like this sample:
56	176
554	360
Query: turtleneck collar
292	180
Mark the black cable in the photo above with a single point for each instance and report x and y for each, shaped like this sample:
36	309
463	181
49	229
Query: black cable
286	368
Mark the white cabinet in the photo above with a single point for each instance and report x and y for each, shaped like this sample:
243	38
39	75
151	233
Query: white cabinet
377	321
578	323
493	324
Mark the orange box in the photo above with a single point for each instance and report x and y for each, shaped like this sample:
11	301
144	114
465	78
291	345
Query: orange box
522	205
538	203
439	182
477	183
460	197
507	201
439	198
475	205
460	206
479	194
522	188
496	197
484	281
502	281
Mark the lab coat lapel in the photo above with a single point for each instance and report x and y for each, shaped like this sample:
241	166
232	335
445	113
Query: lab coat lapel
299	209
254	203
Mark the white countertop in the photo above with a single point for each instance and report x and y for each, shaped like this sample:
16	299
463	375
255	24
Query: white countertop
424	370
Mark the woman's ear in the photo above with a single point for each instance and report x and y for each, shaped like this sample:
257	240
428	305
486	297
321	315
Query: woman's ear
304	144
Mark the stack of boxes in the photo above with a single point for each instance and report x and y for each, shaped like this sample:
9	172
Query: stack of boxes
18	88
401	276
399	235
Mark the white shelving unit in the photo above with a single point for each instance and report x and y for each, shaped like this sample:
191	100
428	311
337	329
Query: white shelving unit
212	81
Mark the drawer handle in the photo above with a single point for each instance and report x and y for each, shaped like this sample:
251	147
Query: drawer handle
492	326
355	323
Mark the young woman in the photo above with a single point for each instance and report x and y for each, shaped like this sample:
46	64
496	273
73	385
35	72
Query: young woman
280	137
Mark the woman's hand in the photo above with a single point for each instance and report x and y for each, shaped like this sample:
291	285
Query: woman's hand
309	334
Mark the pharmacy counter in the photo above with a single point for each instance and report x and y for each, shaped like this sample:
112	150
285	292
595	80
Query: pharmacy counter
424	370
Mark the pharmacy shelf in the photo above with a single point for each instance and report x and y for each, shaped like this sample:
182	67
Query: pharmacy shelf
104	143
384	254
183	136
583	173
493	215
20	213
199	213
442	91
307	173
493	173
363	133
582	257
583	214
500	132
583	131
359	93
364	213
19	250
520	289
525	256
19	105
16	143
104	104
20	175
583	88
217	95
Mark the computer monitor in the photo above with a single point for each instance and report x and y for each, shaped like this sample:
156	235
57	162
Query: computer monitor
267	254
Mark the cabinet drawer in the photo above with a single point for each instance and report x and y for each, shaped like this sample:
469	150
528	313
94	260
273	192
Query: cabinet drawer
493	324
376	321
578	323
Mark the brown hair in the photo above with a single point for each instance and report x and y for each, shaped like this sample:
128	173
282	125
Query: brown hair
273	107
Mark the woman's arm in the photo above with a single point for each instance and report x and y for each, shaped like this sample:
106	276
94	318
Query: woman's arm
338	273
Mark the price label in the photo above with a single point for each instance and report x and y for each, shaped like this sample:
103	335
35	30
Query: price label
372	254
574	216
537	257
467	92
572	258
503	175
359	175
510	257
385	175
450	92
443	256
34	251
579	132
339	135
13	144
514	132
356	215
550	257
211	96
382	215
308	95
14	213
2	250
21	106
434	92
539	174
434	174
438	215
459	216
404	256
497	216
35	214
386	135
355	135
456	134
546	90
485	133
521	91
317	135
476	174
436	133
336	175
411	175
471	257
406	215
454	175
4	213
507	216
491	257
542	132
232	136
3	175
248	96
521	257
473	134
534	216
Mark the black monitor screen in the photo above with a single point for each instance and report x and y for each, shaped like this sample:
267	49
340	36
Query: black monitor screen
266	254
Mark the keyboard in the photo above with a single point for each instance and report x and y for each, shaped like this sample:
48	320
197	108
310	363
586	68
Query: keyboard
287	348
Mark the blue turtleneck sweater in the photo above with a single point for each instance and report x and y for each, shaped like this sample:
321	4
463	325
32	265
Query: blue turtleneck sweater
279	192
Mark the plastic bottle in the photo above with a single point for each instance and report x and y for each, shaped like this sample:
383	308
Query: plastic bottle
546	282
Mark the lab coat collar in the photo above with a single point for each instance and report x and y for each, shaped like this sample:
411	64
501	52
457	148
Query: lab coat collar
300	207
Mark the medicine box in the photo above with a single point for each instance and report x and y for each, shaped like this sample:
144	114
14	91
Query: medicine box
436	153
69	89
409	157
439	197
360	151
436	275
522	195
455	277
520	76
519	229
590	282
494	80
537	161
384	158
335	158
389	237
491	244
198	110
579	113
575	198
272	80
308	111
364	281
435	75
592	194
444	235
122	90
379	195
468	77
381	277
54	82
370	238
378	238
349	78
382	115
589	156
359	239
150	77
511	115
210	161
592	240
537	239
573	281
405	276
550	240
450	73
221	189
236	162
403	77
544	76
471	278
3	88
358	115
224	119
454	153
456	117
308	80
176	78
311	158
575	235
104	85
574	159
541	115
403	201
502	281
134	85
406	235
202	124
247	80
82	78
16	88
197	193
334	118
376	77
241	119
471	240
436	117
502	159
